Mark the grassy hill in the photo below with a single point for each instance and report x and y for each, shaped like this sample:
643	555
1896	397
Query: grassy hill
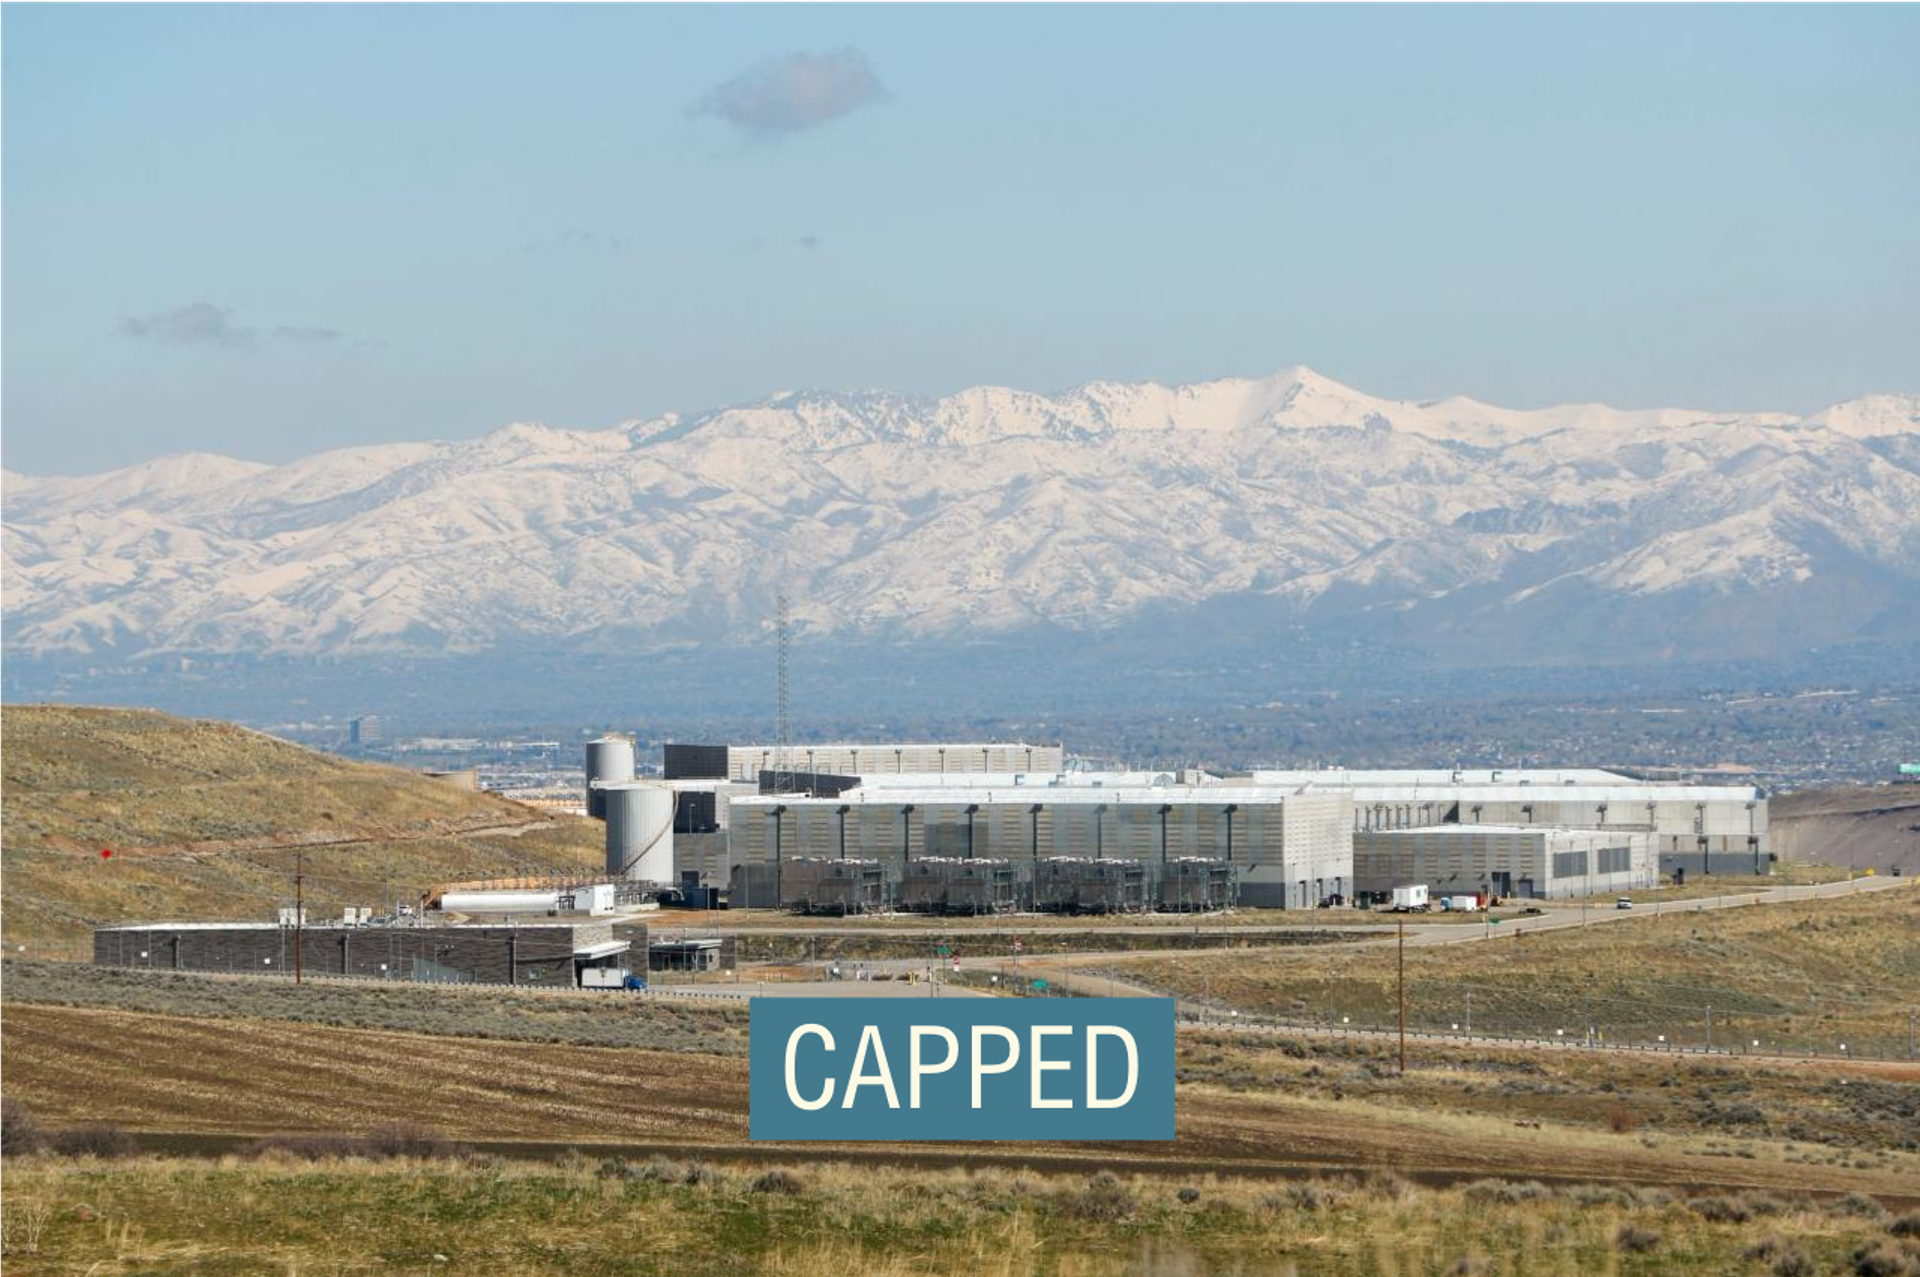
204	820
1802	976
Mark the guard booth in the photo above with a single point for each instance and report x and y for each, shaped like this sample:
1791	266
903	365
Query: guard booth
700	953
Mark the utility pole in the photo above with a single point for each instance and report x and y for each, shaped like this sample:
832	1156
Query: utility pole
1709	1030
1469	1012
1402	982
299	906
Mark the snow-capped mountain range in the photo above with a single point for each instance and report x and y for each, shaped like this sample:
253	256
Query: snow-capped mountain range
1579	531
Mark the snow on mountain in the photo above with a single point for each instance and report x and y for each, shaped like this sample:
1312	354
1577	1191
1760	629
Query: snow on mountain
1872	416
1583	529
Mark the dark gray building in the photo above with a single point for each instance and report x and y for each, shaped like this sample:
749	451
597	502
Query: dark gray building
542	955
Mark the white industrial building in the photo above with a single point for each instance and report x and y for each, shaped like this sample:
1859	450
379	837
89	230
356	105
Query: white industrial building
1537	862
1696	829
1289	850
708	823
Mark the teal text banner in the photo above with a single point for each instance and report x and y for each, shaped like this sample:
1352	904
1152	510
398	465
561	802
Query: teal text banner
961	1069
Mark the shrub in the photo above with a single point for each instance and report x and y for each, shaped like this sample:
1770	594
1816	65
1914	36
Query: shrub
1504	1192
1598	1195
1783	1257
1308	1198
1389	1184
1860	1206
1886	1259
1188	1195
19	1133
1908	1225
96	1139
656	1171
1621	1121
780	1183
1721	1210
1635	1239
405	1140
1467	1266
1104	1198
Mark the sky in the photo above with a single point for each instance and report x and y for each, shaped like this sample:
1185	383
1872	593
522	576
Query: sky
271	230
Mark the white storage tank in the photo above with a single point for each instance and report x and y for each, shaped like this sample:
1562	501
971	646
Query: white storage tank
609	762
503	901
639	832
588	898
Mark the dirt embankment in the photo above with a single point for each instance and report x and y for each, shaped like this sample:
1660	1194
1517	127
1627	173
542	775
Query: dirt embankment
1863	827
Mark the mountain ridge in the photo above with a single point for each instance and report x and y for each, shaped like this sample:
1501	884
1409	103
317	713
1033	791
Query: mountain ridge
1448	524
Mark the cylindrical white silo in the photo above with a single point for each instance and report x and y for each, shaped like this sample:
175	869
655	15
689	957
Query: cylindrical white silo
609	762
639	832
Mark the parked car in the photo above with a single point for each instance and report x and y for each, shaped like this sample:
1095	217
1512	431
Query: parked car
1623	903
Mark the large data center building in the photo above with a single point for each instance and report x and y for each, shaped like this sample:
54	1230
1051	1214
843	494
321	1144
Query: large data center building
1288	850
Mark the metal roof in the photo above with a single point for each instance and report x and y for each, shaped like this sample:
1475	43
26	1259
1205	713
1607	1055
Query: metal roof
1546	830
1021	795
1162	778
1624	792
1443	776
801	747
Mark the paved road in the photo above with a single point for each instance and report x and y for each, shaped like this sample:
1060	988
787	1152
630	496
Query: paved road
848	988
1375	923
1556	916
1561	914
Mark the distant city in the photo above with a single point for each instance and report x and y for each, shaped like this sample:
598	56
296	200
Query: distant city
1778	740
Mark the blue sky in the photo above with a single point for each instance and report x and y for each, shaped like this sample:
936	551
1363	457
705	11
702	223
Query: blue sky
272	230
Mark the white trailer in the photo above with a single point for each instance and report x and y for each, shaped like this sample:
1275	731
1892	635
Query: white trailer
1410	899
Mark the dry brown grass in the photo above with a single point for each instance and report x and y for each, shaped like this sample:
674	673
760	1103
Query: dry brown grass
519	1014
166	1073
164	1217
1806	975
202	818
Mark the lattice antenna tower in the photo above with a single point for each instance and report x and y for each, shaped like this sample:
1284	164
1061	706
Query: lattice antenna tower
782	722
